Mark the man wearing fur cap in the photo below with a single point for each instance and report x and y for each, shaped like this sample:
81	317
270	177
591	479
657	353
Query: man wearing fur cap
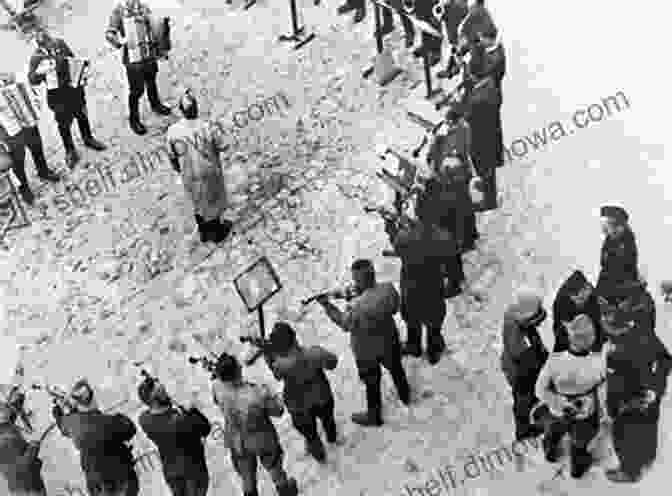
568	386
575	296
249	431
637	371
103	442
618	258
523	356
19	462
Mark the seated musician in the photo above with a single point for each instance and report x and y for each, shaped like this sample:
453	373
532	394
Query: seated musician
64	97
18	138
141	69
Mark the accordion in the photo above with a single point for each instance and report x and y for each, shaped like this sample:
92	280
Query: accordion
148	37
72	72
17	108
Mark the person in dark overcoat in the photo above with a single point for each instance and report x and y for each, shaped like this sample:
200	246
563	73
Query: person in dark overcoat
637	370
576	296
619	257
307	392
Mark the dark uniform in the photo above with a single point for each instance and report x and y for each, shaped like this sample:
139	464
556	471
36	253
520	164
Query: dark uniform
179	438
618	261
250	434
105	456
307	393
422	288
523	357
19	463
431	45
374	340
484	116
637	363
68	103
141	74
564	310
454	140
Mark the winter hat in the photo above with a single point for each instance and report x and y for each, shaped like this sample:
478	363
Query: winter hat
527	305
576	282
227	367
282	337
614	212
581	325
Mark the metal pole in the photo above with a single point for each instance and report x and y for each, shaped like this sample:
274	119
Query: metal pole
379	35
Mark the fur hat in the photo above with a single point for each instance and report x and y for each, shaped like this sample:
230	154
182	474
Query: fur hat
282	337
145	390
576	282
227	367
614	212
527	305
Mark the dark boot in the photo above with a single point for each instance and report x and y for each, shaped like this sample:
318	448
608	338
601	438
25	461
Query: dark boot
617	475
71	158
289	489
580	460
27	194
551	449
154	100
345	8
367	419
94	144
252	493
315	448
49	175
436	345
134	116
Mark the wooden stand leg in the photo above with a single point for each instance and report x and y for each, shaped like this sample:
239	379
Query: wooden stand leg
298	36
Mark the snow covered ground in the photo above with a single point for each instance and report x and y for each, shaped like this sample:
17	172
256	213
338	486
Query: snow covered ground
115	281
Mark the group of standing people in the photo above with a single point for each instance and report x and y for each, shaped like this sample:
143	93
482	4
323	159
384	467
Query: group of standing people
605	340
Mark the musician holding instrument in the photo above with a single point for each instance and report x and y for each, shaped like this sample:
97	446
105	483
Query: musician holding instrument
55	65
19	130
103	441
249	431
179	434
451	13
374	338
19	461
143	39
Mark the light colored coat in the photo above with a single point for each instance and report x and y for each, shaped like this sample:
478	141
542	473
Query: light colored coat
195	147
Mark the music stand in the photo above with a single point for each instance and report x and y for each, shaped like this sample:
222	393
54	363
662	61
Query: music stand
383	63
255	286
298	35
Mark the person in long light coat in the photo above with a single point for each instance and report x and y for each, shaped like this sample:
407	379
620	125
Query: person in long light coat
194	152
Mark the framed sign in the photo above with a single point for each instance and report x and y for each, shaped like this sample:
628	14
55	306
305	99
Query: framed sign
257	284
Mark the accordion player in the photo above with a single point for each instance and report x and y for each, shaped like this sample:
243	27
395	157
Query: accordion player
143	38
65	77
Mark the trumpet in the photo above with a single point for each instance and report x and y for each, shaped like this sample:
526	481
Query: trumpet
408	6
439	9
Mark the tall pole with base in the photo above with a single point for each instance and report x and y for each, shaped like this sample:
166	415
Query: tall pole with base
383	64
298	36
